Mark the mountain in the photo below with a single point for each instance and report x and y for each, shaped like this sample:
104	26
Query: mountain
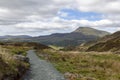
80	35
91	31
107	43
11	37
64	39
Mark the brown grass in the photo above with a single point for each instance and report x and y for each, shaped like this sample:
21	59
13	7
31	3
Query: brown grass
85	65
9	66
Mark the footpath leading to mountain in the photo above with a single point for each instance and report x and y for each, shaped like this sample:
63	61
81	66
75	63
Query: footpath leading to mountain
41	70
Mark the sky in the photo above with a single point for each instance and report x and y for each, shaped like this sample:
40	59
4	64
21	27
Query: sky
44	17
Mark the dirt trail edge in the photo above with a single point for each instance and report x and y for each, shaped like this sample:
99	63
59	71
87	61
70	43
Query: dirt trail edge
41	69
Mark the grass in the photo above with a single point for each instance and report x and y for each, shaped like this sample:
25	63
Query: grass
85	65
9	66
56	47
19	50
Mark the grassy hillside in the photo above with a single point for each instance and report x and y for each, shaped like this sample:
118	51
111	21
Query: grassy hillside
108	43
56	47
84	46
85	65
80	35
64	39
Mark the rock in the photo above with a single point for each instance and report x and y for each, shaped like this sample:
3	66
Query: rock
21	58
90	78
71	76
117	52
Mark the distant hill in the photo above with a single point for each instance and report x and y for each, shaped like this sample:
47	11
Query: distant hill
91	31
107	43
65	39
25	44
13	37
80	35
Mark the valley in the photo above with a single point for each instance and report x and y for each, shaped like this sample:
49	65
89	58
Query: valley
59	40
96	59
75	38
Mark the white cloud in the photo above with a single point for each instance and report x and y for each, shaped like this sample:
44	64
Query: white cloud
37	17
3	12
105	6
62	14
60	25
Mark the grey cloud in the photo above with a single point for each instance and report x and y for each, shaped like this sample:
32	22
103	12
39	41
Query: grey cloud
38	16
30	7
21	9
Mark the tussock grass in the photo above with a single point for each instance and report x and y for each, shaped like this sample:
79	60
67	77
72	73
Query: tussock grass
85	65
9	66
5	55
19	50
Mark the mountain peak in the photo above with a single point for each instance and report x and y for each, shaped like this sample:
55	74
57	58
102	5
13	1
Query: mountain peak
91	31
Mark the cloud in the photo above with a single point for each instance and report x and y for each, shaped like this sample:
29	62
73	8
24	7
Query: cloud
20	9
41	17
105	6
57	25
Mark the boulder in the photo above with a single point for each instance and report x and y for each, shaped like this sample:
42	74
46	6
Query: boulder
21	58
71	76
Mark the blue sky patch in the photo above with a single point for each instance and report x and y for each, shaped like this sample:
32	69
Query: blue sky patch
70	14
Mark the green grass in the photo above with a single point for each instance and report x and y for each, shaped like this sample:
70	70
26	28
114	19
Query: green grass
55	47
93	66
19	50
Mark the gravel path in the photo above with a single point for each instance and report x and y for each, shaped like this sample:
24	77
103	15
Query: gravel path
41	70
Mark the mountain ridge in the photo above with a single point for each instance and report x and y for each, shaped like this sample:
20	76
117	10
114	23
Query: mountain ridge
15	36
91	31
61	39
